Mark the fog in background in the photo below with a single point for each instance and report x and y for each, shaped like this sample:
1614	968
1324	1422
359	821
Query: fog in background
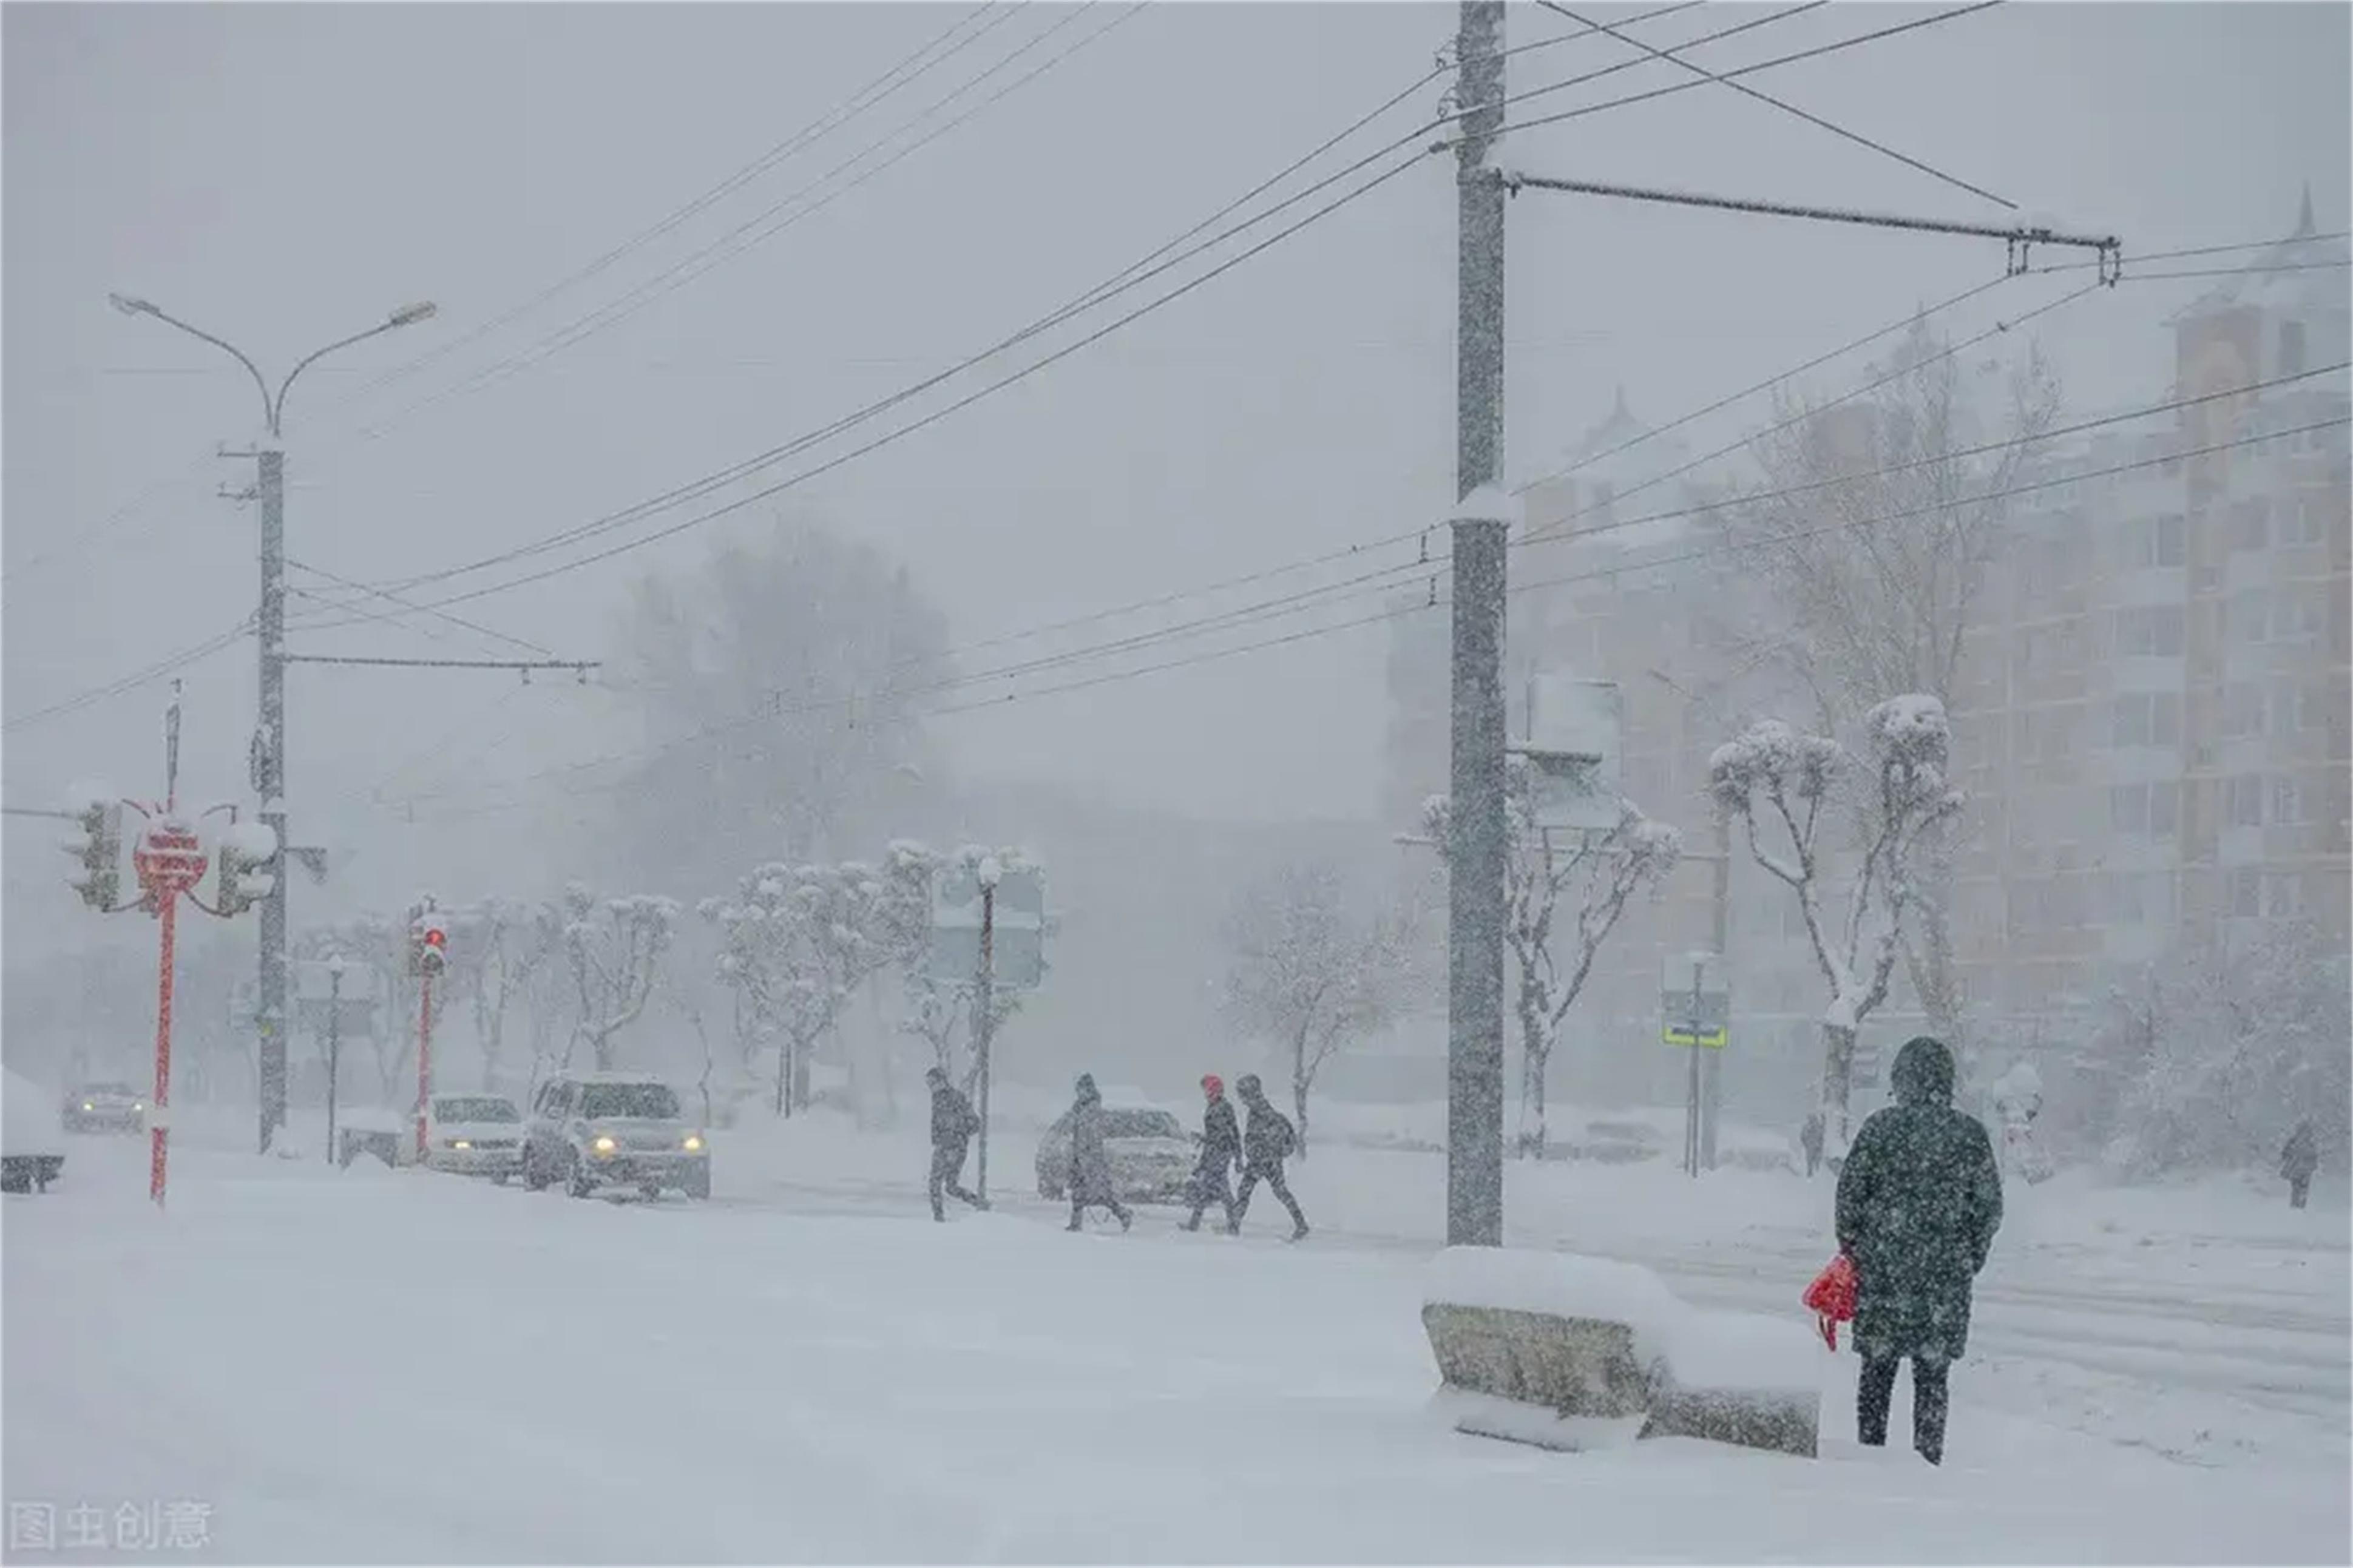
283	175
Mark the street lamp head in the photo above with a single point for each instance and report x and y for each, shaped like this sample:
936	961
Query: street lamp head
336	964
130	306
409	315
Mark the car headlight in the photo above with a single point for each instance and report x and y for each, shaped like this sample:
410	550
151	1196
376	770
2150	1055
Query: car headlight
604	1145
86	1105
137	1106
459	1143
693	1145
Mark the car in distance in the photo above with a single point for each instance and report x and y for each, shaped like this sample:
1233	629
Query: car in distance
1152	1159
474	1135
105	1108
590	1131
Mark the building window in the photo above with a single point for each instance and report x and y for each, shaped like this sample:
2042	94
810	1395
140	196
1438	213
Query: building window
2311	515
2283	895
2149	718
2287	800
2246	892
2252	524
2149	631
2246	801
2291	355
2144	810
2247	615
2243	711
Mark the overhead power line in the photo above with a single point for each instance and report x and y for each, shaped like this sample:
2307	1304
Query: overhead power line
1118	285
167	664
1785	107
393	598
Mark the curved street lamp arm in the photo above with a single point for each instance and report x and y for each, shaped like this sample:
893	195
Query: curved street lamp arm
267	412
278	407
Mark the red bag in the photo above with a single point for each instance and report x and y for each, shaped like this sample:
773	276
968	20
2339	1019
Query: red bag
1831	1297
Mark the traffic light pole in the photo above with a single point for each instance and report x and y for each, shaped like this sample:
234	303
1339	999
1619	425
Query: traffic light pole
982	1032
424	1057
159	1119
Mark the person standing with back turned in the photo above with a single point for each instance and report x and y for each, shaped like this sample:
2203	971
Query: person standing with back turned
1919	1200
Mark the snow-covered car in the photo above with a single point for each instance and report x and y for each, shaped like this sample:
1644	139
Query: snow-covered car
613	1130
32	1150
1152	1157
475	1135
105	1108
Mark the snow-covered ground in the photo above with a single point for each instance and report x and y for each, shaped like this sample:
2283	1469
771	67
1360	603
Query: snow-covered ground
368	1365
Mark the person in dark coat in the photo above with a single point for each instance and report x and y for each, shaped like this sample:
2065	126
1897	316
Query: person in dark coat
1918	1203
952	1126
1091	1180
1809	1139
1221	1151
2298	1161
1268	1140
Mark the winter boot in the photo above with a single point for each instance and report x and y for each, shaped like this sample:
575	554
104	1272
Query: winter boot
1300	1234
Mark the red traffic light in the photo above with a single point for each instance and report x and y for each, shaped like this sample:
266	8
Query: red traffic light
435	937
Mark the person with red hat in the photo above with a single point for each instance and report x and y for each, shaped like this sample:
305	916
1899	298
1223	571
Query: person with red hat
1221	1151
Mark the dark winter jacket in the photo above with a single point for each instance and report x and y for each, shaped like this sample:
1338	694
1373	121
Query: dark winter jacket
953	1121
1091	1180
2301	1157
1269	1139
1221	1138
1918	1203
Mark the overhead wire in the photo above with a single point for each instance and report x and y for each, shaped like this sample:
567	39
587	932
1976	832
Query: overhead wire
720	478
1787	108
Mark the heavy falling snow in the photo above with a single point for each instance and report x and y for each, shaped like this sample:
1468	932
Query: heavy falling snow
1107	781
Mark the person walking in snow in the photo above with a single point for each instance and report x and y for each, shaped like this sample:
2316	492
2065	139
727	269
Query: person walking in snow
1919	1200
1809	1139
952	1126
2298	1161
1268	1140
1221	1151
1090	1179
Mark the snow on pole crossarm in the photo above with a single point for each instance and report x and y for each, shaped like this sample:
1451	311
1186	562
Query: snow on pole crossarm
1491	503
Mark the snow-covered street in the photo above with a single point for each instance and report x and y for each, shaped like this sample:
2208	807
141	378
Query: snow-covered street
368	1365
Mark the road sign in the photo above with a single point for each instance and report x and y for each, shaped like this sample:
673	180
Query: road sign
1018	940
1575	751
316	1000
169	860
1695	1001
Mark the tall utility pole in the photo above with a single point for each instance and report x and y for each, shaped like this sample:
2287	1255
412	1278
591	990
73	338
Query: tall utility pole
1476	859
1711	1066
982	1032
270	735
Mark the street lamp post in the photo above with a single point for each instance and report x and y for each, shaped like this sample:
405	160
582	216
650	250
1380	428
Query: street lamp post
268	751
334	1042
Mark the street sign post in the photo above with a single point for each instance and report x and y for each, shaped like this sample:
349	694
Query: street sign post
1695	1011
989	928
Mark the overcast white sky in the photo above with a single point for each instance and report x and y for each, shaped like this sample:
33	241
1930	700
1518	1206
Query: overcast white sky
284	175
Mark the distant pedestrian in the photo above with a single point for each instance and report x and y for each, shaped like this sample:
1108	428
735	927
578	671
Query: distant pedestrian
2299	1160
952	1126
1809	1138
1091	1175
1919	1200
1221	1152
1266	1144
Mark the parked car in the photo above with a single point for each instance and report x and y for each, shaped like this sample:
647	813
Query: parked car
475	1135
32	1152
105	1108
590	1131
1152	1157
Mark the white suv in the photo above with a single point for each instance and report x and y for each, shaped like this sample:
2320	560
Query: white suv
613	1130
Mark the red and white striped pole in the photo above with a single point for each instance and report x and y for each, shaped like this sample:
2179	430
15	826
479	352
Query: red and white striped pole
159	1117
423	1059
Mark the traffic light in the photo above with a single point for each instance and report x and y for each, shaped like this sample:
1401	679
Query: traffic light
247	850
428	945
99	847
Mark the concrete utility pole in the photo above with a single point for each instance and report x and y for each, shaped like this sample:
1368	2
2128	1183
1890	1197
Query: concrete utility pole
1476	859
268	755
1711	1066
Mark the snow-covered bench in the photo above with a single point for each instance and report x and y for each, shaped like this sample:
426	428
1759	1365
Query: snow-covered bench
1580	1353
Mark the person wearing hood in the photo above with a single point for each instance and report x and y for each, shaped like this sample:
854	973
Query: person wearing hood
1267	1142
952	1126
2298	1161
1809	1139
1919	1200
1091	1177
1221	1151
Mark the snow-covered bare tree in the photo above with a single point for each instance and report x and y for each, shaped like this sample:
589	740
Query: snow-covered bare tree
1599	874
1857	612
1308	973
1798	782
795	941
506	942
615	948
2224	1047
776	681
